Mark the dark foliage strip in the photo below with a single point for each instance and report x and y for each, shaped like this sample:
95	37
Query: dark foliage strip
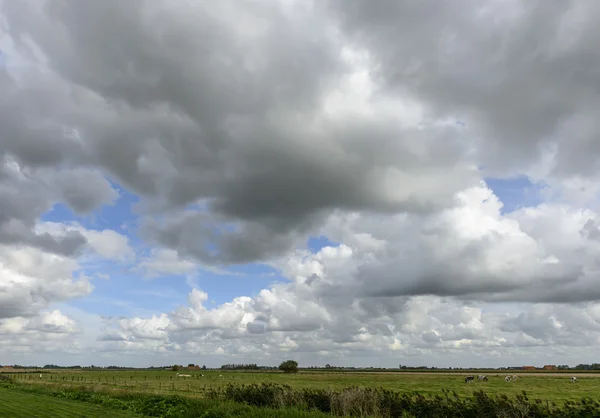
379	402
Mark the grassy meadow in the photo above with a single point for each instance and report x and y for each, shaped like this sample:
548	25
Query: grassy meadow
14	404
547	387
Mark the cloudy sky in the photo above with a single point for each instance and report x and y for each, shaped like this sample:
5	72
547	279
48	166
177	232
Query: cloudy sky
333	181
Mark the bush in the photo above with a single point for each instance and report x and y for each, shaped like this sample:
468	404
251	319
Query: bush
289	366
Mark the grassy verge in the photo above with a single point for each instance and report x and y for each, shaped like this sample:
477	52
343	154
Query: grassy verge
126	404
15	404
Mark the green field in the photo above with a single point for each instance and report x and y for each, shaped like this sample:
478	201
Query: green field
14	404
548	387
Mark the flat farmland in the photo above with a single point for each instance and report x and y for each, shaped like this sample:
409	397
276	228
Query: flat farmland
551	387
24	405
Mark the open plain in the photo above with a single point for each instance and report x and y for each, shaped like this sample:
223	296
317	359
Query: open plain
548	387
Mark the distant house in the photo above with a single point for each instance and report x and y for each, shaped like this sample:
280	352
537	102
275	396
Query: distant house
550	367
528	367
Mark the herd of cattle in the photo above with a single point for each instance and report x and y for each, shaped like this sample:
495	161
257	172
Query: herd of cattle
513	378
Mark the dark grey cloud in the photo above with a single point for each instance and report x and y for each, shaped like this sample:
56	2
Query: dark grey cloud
225	104
591	230
27	193
523	75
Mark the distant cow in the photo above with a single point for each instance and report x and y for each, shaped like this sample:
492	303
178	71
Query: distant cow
573	379
482	378
507	379
469	379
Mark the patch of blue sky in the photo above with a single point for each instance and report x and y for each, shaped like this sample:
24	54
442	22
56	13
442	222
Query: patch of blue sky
128	293
119	216
515	193
242	280
316	243
123	295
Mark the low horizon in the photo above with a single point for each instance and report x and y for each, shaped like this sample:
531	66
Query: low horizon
243	366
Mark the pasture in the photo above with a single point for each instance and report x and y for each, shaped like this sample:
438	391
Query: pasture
547	387
25	405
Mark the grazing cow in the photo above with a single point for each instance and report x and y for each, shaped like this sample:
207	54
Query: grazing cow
469	379
507	379
40	375
573	379
514	377
482	378
184	375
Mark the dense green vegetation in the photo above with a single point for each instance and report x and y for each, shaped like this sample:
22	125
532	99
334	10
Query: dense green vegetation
377	402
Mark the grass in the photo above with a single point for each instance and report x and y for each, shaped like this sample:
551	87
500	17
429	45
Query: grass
14	404
57	401
239	394
546	387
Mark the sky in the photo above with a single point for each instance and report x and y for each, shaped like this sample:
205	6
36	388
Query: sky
339	181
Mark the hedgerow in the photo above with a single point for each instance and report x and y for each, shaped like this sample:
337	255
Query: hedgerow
379	402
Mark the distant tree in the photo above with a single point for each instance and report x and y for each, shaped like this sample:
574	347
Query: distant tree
328	366
175	368
191	365
239	366
289	366
203	367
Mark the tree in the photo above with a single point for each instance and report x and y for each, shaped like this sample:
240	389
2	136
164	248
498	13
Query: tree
176	368
289	366
204	367
191	365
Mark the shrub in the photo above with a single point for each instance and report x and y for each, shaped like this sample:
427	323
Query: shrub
289	366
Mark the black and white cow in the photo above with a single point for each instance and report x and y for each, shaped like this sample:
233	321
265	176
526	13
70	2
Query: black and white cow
469	379
482	378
